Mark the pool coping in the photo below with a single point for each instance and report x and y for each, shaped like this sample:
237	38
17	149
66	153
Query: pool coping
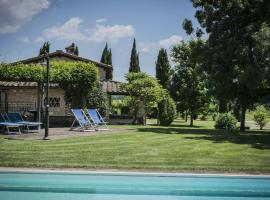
123	172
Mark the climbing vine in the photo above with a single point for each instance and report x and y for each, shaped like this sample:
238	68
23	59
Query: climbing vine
77	79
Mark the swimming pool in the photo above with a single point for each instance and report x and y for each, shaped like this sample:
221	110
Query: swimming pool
130	186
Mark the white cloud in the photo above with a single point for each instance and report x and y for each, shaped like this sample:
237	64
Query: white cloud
14	13
111	33
149	47
101	20
145	47
24	39
40	39
68	31
73	30
168	42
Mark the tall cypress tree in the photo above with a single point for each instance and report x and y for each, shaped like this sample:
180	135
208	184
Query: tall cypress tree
163	68
109	72
45	48
134	59
106	58
110	57
76	51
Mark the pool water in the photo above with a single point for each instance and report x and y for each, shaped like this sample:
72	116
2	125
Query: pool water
110	186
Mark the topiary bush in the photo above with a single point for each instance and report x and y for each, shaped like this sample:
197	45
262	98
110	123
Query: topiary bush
261	116
167	111
226	121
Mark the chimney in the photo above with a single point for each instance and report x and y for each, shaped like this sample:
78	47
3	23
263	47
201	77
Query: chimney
71	49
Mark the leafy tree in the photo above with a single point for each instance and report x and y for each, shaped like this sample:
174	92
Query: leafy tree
122	105
238	37
188	27
188	87
134	59
45	48
209	109
146	93
261	116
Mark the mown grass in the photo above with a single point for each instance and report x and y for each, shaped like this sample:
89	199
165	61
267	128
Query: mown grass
174	148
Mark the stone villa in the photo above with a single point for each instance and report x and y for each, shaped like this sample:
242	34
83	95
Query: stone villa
22	96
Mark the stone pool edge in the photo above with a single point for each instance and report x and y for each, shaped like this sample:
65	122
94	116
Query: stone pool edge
124	172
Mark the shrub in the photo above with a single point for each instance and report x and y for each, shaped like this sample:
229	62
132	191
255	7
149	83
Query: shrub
167	111
97	99
226	121
261	116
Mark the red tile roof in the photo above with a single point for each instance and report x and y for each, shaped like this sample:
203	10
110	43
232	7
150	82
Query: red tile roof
60	53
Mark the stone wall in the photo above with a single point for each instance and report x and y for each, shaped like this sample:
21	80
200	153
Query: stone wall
21	95
24	95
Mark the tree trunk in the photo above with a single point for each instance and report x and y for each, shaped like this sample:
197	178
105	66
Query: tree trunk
191	119
186	115
139	112
158	113
144	120
243	118
236	112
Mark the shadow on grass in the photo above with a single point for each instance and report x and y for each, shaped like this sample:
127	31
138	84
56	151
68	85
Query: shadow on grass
257	139
177	126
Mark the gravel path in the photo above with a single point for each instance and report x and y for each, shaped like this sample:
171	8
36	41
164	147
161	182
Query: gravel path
59	133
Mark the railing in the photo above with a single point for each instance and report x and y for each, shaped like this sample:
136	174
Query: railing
17	106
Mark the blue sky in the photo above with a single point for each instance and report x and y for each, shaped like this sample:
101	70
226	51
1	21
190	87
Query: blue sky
26	24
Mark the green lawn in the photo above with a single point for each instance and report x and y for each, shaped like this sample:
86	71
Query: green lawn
174	148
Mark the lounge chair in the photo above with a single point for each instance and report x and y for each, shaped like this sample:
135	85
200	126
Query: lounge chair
83	121
97	119
16	117
10	125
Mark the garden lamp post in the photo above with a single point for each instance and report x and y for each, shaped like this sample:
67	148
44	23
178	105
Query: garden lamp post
47	118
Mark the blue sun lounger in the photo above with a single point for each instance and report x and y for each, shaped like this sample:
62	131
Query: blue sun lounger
97	119
16	117
83	121
9	125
